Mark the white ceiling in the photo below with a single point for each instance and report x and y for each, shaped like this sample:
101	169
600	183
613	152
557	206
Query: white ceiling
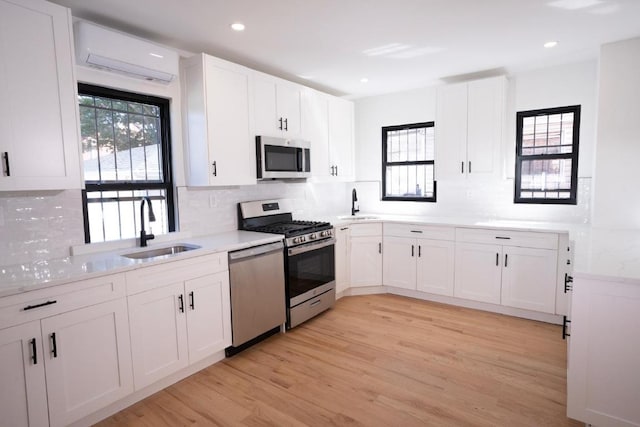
397	45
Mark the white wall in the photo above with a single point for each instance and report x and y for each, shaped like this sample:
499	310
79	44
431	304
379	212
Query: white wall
551	87
617	201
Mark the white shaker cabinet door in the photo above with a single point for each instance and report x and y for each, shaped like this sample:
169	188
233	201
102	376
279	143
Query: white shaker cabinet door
208	315
399	262
478	272
39	141
529	278
158	333
435	266
23	395
342	256
366	261
341	146
88	360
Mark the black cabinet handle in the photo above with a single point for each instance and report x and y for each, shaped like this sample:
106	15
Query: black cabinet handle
181	306
332	171
506	256
568	280
336	170
280	120
54	345
379	248
497	259
469	166
564	327
286	125
31	307
503	238
5	156
417	231
412	250
461	167
215	168
419	251
34	351
192	303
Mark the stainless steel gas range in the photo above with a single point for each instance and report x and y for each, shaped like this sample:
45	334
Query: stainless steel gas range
309	256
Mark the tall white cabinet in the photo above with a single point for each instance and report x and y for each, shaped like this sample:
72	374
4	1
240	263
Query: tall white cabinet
218	111
39	144
470	121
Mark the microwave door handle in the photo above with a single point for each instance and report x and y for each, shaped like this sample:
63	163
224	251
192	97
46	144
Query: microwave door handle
300	159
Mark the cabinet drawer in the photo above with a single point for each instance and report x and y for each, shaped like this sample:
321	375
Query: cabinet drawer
419	231
527	239
165	274
370	229
42	303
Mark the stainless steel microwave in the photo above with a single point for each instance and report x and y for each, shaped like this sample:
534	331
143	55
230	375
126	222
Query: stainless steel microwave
280	158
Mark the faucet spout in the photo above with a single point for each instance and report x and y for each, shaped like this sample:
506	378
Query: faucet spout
354	204
144	237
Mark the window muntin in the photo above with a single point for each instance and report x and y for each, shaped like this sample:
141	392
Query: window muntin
126	156
547	155
408	162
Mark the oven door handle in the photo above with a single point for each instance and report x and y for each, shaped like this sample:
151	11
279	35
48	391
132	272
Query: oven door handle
311	246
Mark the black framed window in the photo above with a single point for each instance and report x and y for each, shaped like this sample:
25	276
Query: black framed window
547	155
126	154
408	162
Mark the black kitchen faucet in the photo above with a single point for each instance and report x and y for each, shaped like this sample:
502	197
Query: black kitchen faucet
354	199
144	237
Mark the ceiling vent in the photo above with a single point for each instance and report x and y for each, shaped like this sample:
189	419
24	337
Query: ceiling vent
114	51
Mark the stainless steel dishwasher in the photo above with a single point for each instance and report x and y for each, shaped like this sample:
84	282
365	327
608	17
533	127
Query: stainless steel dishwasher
257	294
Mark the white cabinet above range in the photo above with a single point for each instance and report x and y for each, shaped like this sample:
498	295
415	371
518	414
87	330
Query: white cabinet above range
276	106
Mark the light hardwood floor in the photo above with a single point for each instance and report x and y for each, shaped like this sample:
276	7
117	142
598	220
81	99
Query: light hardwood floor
378	360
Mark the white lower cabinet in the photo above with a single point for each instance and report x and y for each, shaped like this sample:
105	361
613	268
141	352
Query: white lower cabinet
399	263
366	255
87	361
180	322
23	395
478	272
435	266
529	279
603	370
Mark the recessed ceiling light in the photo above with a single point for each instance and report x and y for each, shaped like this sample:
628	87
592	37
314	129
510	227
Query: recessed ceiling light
237	26
364	80
551	44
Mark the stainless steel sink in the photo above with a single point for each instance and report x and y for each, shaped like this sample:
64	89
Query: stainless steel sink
162	252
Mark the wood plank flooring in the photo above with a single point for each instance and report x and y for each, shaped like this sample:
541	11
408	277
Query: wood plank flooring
378	360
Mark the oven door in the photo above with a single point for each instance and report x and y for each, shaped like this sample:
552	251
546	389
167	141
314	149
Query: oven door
311	270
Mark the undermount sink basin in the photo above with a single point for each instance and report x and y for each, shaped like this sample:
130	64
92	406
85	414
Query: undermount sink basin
160	252
358	217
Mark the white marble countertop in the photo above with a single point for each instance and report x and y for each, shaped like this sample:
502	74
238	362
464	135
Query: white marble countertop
598	252
15	279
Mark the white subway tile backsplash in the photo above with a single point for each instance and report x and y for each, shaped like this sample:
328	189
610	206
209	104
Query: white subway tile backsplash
39	225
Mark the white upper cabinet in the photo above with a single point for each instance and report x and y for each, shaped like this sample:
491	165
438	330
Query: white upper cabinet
277	105
341	138
39	141
470	121
218	120
327	122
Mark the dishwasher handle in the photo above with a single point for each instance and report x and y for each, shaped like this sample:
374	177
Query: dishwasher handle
236	256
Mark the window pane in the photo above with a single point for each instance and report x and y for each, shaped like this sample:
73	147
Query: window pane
409	181
544	176
416	144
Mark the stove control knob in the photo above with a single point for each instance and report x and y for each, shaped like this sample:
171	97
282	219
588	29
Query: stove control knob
312	236
323	234
296	240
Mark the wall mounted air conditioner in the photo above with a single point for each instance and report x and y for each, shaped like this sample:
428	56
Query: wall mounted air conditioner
106	49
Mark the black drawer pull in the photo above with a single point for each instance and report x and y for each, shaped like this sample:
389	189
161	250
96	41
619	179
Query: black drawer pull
568	280
31	307
503	238
54	345
192	304
416	231
564	327
34	351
